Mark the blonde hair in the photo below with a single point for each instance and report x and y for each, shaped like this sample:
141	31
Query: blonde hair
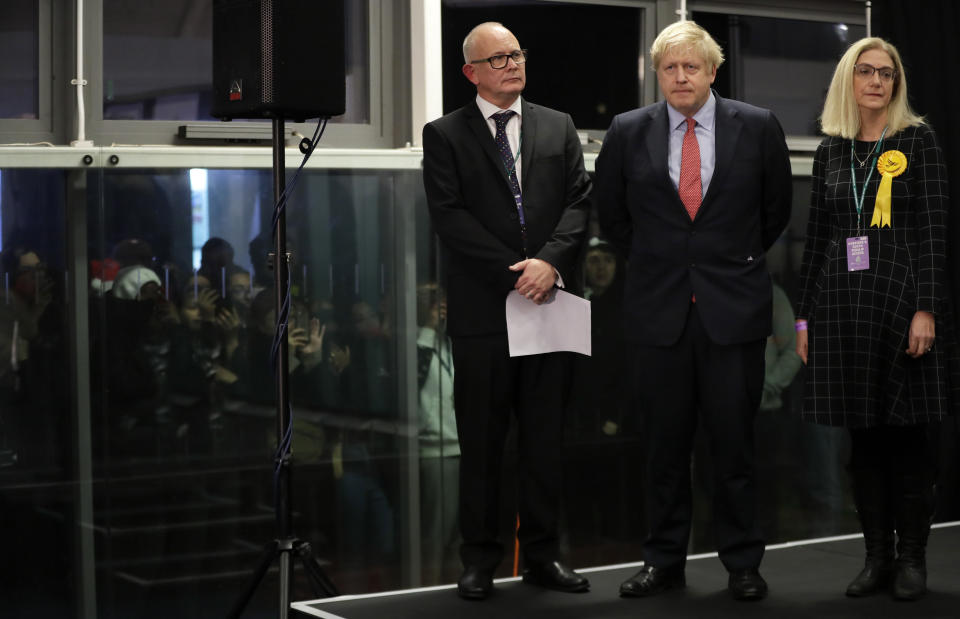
471	38
688	35
841	116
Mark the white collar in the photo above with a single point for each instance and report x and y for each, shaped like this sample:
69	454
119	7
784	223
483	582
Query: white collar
488	109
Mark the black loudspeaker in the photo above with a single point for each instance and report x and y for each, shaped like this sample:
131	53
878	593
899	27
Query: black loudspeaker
278	59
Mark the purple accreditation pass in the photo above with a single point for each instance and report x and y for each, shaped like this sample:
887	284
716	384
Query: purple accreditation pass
858	253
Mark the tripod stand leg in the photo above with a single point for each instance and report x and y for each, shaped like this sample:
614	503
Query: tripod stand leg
322	585
286	581
269	552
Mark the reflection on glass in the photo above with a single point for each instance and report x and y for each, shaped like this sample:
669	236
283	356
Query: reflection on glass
181	404
803	491
439	445
18	59
37	519
603	434
157	60
184	323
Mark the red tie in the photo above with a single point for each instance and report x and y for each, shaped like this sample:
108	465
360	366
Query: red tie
690	186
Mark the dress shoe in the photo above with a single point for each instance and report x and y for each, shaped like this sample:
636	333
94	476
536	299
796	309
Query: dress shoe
747	584
556	576
475	584
651	580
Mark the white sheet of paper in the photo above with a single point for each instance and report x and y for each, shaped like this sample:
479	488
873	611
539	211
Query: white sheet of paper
562	323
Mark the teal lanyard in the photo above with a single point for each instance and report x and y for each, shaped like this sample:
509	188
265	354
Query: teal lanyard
858	200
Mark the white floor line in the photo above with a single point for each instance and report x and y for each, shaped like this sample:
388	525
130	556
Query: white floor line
306	606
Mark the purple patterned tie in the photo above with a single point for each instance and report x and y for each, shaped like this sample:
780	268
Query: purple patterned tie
503	145
510	166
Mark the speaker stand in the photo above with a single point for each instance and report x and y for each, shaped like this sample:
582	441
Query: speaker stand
286	544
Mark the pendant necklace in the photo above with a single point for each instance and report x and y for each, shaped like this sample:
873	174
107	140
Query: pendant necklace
866	157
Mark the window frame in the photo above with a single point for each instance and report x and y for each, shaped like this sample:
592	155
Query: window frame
801	10
57	122
50	52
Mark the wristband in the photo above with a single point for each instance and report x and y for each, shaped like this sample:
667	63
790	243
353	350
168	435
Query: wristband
801	325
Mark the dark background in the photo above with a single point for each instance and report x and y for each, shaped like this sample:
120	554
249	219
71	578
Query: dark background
925	33
583	75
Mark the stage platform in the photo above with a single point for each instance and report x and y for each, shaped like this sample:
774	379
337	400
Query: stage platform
806	578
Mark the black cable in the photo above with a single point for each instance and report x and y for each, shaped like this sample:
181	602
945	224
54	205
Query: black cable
307	146
281	204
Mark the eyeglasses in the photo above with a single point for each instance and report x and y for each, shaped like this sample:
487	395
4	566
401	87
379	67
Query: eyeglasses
866	71
500	60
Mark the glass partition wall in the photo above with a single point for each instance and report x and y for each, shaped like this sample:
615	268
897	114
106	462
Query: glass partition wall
137	416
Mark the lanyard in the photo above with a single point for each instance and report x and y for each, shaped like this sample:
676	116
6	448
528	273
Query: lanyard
858	200
513	168
518	198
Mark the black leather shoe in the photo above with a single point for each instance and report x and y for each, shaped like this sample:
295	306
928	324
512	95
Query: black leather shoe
651	580
475	584
555	576
747	584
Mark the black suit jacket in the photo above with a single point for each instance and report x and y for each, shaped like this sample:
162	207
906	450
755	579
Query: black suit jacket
720	256
474	213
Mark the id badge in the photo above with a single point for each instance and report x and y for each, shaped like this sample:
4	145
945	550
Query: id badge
858	253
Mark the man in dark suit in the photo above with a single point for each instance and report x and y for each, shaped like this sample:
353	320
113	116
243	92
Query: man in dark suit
509	198
694	190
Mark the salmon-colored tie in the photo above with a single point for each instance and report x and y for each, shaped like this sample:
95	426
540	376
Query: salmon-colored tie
690	186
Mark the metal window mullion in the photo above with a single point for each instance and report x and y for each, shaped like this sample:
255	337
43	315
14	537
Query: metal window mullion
405	286
84	546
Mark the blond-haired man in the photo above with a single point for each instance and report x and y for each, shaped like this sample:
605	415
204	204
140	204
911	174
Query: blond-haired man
694	189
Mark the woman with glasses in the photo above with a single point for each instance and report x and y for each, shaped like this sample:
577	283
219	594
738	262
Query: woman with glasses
874	324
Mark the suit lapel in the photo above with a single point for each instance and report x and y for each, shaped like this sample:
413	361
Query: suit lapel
658	139
728	127
478	124
658	147
528	141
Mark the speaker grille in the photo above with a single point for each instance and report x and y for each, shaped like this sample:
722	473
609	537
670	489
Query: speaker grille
266	50
264	59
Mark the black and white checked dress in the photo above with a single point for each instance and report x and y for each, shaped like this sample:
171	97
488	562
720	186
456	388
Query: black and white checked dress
858	373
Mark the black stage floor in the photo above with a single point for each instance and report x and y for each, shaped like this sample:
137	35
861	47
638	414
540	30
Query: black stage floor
806	579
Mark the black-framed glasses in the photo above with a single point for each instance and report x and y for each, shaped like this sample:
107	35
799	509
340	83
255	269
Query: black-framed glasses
499	61
866	71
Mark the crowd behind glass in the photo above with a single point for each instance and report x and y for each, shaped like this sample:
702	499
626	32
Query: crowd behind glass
181	324
182	387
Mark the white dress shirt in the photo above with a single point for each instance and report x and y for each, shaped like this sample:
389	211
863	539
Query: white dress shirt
488	109
705	130
512	130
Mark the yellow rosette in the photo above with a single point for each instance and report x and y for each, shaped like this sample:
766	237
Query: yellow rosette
890	164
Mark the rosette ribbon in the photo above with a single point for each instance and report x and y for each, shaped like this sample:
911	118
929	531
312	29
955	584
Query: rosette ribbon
891	164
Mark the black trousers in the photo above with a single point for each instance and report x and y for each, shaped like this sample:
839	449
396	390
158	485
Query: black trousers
489	387
719	386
